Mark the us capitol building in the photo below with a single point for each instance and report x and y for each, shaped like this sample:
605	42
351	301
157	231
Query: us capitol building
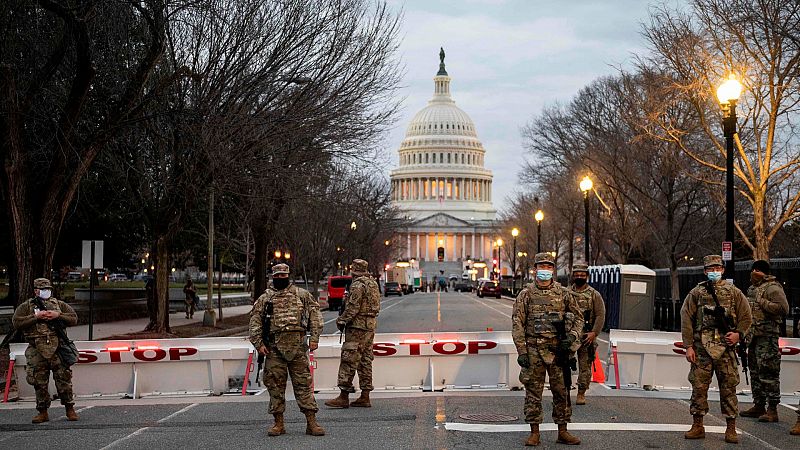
443	186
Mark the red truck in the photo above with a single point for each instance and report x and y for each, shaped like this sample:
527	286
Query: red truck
337	285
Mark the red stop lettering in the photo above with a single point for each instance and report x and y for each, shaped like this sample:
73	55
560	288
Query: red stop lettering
476	346
458	348
86	356
413	347
158	354
175	353
789	351
383	349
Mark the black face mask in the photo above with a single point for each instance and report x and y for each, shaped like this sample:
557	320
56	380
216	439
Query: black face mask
280	283
579	282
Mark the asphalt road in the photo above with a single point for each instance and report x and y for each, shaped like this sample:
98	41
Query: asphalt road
396	421
434	311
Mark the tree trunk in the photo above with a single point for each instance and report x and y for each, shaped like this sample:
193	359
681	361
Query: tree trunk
761	250
260	262
673	277
162	284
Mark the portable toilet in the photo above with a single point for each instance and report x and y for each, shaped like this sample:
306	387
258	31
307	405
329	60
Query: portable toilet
629	294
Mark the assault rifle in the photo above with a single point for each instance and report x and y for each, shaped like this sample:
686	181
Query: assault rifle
341	311
266	323
587	327
724	324
564	357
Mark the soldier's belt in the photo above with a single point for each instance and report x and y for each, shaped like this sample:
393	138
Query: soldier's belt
542	340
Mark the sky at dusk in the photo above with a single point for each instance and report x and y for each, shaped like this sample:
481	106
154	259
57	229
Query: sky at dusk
508	59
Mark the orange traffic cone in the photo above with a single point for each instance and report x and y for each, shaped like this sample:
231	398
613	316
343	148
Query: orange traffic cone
598	376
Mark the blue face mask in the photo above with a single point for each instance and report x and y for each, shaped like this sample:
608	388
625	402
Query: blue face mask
714	276
544	275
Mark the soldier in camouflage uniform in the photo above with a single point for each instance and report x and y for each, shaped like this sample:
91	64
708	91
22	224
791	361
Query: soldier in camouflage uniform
711	351
591	303
42	344
539	305
358	321
294	311
769	306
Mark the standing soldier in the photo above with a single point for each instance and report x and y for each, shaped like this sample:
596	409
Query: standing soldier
293	312
714	317
539	311
769	306
358	322
37	318
594	317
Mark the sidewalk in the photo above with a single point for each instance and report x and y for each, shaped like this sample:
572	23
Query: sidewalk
102	330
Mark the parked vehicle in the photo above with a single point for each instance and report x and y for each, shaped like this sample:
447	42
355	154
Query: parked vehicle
406	274
463	286
392	288
337	285
117	277
490	288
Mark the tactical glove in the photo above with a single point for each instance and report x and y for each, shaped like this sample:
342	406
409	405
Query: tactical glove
523	361
565	347
340	326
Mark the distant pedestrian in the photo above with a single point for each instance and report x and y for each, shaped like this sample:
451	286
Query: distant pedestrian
358	322
190	299
711	350
37	319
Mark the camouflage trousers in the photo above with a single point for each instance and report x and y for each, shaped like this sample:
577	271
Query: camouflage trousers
533	380
700	376
38	375
356	358
584	366
764	358
287	357
189	306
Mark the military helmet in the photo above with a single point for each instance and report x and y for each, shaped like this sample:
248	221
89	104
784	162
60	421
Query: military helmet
359	266
580	267
542	258
280	268
42	283
712	260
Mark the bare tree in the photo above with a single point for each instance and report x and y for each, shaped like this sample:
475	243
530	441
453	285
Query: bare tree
698	48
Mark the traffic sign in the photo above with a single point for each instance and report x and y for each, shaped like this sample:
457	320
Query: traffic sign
727	251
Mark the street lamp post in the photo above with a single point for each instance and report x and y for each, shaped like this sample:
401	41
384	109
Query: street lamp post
586	187
499	261
539	216
727	94
515	233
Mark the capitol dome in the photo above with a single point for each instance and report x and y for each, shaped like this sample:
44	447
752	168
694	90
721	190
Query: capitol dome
442	186
442	161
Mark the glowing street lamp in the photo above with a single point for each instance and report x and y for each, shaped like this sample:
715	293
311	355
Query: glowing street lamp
539	216
515	233
728	94
586	186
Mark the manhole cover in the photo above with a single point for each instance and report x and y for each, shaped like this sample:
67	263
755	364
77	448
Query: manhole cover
488	417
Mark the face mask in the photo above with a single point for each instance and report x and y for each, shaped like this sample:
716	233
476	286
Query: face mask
715	276
45	294
280	283
756	278
544	274
579	282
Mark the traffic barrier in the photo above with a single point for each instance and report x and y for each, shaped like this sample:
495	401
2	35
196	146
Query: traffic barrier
656	360
203	366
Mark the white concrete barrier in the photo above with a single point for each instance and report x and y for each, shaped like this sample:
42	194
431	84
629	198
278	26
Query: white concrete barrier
653	359
421	361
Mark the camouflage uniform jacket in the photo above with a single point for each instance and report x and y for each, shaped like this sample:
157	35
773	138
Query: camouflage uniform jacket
363	304
293	309
769	306
697	319
36	331
591	300
535	310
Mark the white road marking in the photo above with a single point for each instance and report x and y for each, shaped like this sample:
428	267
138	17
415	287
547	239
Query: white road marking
142	430
487	305
490	428
789	406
